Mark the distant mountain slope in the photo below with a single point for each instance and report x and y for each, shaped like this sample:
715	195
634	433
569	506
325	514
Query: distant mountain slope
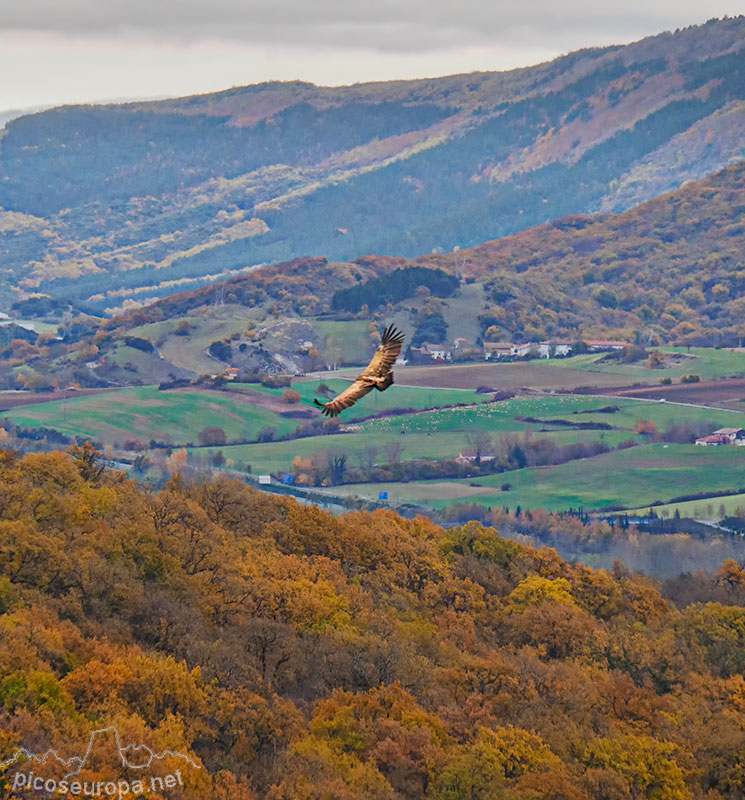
672	269
110	204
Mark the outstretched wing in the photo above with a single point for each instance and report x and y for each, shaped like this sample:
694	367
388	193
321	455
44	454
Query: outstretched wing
347	398
386	354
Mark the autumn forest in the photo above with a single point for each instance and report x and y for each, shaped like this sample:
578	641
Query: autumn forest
295	655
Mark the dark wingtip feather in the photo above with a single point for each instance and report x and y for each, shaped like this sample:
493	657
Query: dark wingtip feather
392	334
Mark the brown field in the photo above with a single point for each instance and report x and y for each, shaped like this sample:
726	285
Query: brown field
729	392
509	377
260	399
11	399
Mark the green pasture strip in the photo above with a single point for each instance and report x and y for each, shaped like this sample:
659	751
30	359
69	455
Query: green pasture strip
278	456
629	478
146	413
703	508
375	402
708	362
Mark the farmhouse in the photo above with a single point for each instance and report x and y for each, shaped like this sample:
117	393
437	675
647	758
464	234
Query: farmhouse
735	435
549	349
470	457
526	349
499	350
713	440
464	350
428	353
606	344
723	436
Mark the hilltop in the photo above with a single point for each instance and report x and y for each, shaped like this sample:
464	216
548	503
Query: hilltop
109	205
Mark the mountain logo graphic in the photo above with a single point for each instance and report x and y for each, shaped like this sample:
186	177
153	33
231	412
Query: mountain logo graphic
103	740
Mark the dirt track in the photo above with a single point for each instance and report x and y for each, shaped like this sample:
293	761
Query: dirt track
703	393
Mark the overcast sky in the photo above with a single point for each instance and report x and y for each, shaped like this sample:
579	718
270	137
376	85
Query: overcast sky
64	51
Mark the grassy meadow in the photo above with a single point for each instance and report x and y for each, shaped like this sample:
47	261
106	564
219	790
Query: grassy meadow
631	478
375	402
708	362
145	413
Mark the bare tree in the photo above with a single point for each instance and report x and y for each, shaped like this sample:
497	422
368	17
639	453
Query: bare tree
336	466
393	452
368	458
481	443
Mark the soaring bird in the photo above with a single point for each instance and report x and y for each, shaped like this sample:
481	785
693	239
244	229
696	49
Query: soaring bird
378	374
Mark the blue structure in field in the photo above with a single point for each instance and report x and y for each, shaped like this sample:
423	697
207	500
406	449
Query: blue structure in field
382	495
288	478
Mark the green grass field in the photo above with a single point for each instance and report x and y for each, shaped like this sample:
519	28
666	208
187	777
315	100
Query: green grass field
708	508
631	478
708	362
498	417
278	456
349	341
145	413
633	409
502	417
375	402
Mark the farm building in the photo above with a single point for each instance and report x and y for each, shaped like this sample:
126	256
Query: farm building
713	440
428	353
499	350
550	349
606	344
470	457
735	435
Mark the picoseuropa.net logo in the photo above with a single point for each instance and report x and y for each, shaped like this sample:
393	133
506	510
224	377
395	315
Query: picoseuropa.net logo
50	774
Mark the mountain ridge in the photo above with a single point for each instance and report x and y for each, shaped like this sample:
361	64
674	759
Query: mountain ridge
135	200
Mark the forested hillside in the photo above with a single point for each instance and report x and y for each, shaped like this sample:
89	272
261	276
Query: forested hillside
293	654
105	205
672	269
669	271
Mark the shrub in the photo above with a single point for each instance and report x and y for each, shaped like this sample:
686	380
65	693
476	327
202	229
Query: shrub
291	396
139	344
211	436
220	350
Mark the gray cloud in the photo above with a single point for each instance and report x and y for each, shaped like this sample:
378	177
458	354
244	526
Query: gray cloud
384	25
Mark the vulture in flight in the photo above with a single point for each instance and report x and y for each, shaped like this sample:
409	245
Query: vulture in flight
378	374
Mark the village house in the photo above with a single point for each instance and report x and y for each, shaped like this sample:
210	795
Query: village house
464	350
231	373
735	435
605	344
429	353
470	457
552	349
723	436
713	440
526	349
499	350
